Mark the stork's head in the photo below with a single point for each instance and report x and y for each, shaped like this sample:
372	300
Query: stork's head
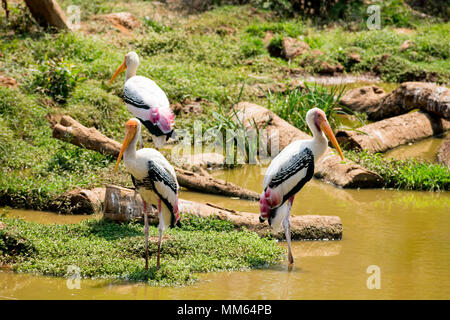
130	61
317	122
132	128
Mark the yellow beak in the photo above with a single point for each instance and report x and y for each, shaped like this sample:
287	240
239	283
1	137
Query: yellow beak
325	127
120	69
131	132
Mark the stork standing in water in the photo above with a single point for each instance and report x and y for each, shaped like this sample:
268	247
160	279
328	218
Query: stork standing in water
146	101
154	179
290	170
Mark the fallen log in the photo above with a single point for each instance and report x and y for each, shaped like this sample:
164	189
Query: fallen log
408	96
392	132
79	201
330	167
72	131
123	204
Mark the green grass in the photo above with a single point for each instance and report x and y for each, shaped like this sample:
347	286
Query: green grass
293	105
110	250
404	174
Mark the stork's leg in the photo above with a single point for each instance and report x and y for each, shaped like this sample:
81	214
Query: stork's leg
141	142
160	235
287	230
146	234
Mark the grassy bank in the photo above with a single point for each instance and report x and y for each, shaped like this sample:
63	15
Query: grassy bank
111	250
404	174
208	55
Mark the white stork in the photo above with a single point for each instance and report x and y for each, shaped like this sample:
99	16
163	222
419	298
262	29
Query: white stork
290	170
154	179
146	101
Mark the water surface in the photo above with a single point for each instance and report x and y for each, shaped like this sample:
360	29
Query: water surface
404	233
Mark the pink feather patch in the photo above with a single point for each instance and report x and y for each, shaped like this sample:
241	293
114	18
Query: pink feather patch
273	197
166	119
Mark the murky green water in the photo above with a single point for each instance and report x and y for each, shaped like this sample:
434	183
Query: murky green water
425	150
405	234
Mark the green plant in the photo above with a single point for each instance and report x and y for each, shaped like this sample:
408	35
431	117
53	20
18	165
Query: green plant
21	20
293	105
251	47
57	79
404	174
71	159
227	124
155	26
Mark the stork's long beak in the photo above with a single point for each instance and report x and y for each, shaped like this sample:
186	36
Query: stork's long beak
131	132
325	127
120	69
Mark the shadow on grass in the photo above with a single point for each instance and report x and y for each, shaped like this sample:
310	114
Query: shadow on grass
114	230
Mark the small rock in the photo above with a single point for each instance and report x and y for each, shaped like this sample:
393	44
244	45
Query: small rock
8	82
404	31
362	99
123	19
2	226
269	35
188	106
354	58
406	45
292	48
327	68
443	154
317	52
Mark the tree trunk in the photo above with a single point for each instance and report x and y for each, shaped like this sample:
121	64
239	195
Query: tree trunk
123	204
48	13
72	131
392	132
410	95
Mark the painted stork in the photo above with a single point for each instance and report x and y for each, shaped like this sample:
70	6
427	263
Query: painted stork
146	101
155	180
290	170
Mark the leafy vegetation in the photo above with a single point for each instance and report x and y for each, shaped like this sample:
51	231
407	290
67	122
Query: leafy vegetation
293	105
56	79
110	250
404	174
